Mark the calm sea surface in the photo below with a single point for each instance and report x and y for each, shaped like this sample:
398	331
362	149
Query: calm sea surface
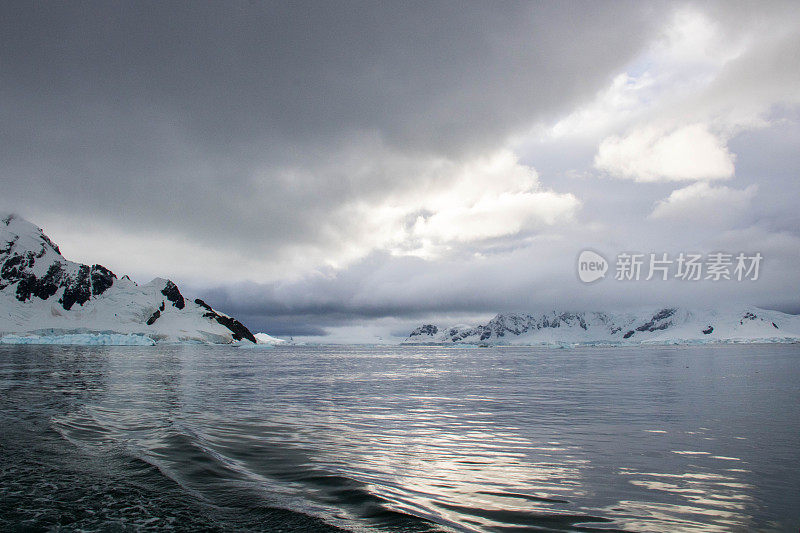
400	438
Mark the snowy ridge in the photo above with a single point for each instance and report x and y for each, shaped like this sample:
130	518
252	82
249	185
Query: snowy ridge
45	298
652	326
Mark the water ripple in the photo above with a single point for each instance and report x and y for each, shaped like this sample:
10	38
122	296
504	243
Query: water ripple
402	439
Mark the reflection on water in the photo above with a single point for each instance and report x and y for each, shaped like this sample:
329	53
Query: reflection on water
711	502
402	439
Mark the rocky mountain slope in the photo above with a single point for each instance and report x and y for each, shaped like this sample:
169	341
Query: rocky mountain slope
43	295
659	326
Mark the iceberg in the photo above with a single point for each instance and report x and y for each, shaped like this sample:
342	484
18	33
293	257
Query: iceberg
264	338
264	341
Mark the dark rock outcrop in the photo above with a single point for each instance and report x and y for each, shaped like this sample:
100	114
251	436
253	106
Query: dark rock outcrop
153	317
172	293
658	322
425	329
238	329
13	268
78	289
17	267
201	303
102	279
43	287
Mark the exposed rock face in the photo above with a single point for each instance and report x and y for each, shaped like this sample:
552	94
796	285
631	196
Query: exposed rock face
43	287
40	289
102	279
659	321
23	266
174	295
426	329
202	304
239	330
78	289
152	320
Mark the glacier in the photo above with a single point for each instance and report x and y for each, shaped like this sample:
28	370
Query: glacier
81	339
667	325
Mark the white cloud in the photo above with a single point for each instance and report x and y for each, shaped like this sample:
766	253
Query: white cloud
681	61
660	141
452	206
702	80
487	198
651	154
705	205
495	216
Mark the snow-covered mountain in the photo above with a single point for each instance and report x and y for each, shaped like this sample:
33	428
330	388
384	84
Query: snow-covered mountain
44	296
658	326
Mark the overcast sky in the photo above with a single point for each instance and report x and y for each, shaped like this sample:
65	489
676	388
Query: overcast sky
317	167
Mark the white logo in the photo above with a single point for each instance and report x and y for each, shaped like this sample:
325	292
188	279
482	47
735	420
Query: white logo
591	266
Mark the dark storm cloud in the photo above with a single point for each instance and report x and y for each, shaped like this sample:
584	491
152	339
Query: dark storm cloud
423	73
224	122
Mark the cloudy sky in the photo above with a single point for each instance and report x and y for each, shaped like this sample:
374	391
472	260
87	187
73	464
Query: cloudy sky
317	168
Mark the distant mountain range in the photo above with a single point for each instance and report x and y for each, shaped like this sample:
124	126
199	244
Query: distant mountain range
44	296
670	325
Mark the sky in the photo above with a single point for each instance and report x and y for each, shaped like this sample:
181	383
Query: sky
349	170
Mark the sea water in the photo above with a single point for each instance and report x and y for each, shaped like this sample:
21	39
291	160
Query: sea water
703	438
